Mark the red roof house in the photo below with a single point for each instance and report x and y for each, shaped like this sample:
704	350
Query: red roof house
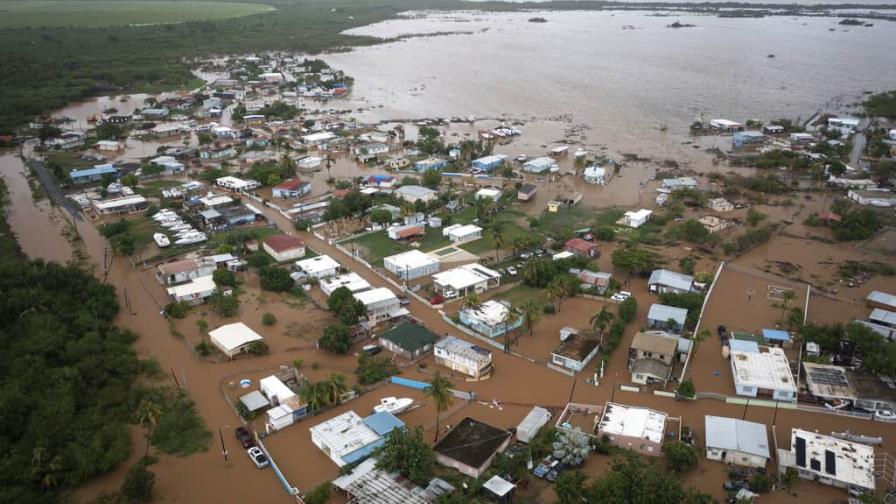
583	248
284	247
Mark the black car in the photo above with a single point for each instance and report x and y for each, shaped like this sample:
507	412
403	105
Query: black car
733	486
244	437
555	472
722	331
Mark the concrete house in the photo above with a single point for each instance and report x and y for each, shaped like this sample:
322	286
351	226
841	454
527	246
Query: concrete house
94	174
489	193
758	372
829	460
460	281
526	192
489	317
233	339
348	438
471	446
574	352
410	341
351	281
463	357
381	304
668	318
462	233
284	247
662	281
415	193
651	356
595	175
736	441
430	163
411	265
636	218
291	188
640	429
719	205
317	267
540	165
177	272
194	292
883	199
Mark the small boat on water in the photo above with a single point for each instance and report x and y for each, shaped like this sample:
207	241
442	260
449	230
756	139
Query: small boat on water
393	405
189	238
164	215
181	227
161	240
172	223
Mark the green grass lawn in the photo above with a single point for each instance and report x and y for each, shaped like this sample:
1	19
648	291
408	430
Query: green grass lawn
153	188
376	246
95	13
521	294
562	224
512	232
69	161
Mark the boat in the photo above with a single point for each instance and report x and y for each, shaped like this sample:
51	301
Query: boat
189	238
164	215
181	227
856	438
161	240
172	223
185	232
393	405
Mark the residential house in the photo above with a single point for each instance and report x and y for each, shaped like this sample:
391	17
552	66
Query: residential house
414	193
640	429
582	248
184	270
776	337
668	318
284	247
351	281
411	264
308	212
66	140
125	204
636	218
719	205
318	267
430	163
829	460
575	352
773	129
309	163
380	304
489	318
411	341
392	209
829	383
595	175
291	188
761	372
155	113
877	198
725	125
801	138
526	192
405	232
194	292
748	138
462	233
370	151
714	224
460	281
398	163
236	184
736	441
349	439
366	484
108	146
662	281
471	446
540	165
233	339
675	184
215	153
94	174
488	164
380	181
463	357
489	193
878	299
592	280
846	125
651	357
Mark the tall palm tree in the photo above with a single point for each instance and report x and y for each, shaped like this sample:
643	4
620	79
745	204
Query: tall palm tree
531	314
600	321
510	318
328	160
498	238
148	413
315	395
288	164
440	391
336	387
535	270
557	291
471	300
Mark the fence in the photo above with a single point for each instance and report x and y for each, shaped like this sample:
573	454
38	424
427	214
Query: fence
291	490
700	319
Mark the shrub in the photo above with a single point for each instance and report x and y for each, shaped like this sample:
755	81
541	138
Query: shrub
258	348
203	348
268	319
298	363
681	456
373	369
275	279
761	483
202	325
686	388
177	310
549	309
224	278
627	310
337	338
320	494
138	483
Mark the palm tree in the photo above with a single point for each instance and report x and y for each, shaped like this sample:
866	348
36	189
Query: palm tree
471	300
701	336
315	395
440	391
288	165
534	271
557	291
44	470
336	387
148	413
329	161
531	313
600	321
787	297
510	318
498	238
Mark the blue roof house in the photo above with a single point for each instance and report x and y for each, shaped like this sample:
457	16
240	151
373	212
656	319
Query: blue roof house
348	438
776	337
668	318
94	174
430	163
488	163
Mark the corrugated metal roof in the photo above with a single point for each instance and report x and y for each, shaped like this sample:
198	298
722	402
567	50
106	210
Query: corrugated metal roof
672	279
739	435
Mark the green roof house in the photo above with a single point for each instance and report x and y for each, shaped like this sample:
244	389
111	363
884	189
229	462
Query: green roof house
408	340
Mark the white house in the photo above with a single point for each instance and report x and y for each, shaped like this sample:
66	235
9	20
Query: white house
462	233
465	279
674	184
351	281
490	193
233	339
317	267
574	352
236	184
662	281
756	372
639	429
595	175
829	460
108	145
348	438
411	264
874	198
846	125
463	357
184	270
736	441
415	193
291	188
719	205
284	247
194	292
489	318
636	219
381	304
540	165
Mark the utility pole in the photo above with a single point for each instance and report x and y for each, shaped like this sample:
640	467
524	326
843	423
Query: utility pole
223	448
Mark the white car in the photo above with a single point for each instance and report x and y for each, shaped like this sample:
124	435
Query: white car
511	271
621	296
885	415
258	457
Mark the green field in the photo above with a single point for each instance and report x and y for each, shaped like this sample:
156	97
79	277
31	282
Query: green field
96	13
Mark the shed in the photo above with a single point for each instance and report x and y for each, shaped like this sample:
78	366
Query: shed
775	336
233	339
534	421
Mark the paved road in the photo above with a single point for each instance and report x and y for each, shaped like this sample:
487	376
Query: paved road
48	182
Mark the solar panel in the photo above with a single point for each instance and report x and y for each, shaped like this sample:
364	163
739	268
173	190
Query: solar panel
830	462
800	452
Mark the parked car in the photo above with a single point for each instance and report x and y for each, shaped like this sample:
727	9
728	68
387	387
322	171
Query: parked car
244	437
371	349
403	300
258	457
620	296
734	485
544	467
511	271
555	472
885	415
723	331
526	255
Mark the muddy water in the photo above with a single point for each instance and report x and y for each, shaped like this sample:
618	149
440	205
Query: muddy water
623	84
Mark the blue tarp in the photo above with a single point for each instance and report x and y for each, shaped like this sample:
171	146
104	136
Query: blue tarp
775	335
744	346
383	422
409	383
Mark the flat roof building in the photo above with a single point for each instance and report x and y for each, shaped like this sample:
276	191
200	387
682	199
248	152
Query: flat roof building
829	460
351	281
348	438
381	304
829	382
640	429
736	441
489	318
411	264
462	233
415	193
464	279
318	267
756	372
196	291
